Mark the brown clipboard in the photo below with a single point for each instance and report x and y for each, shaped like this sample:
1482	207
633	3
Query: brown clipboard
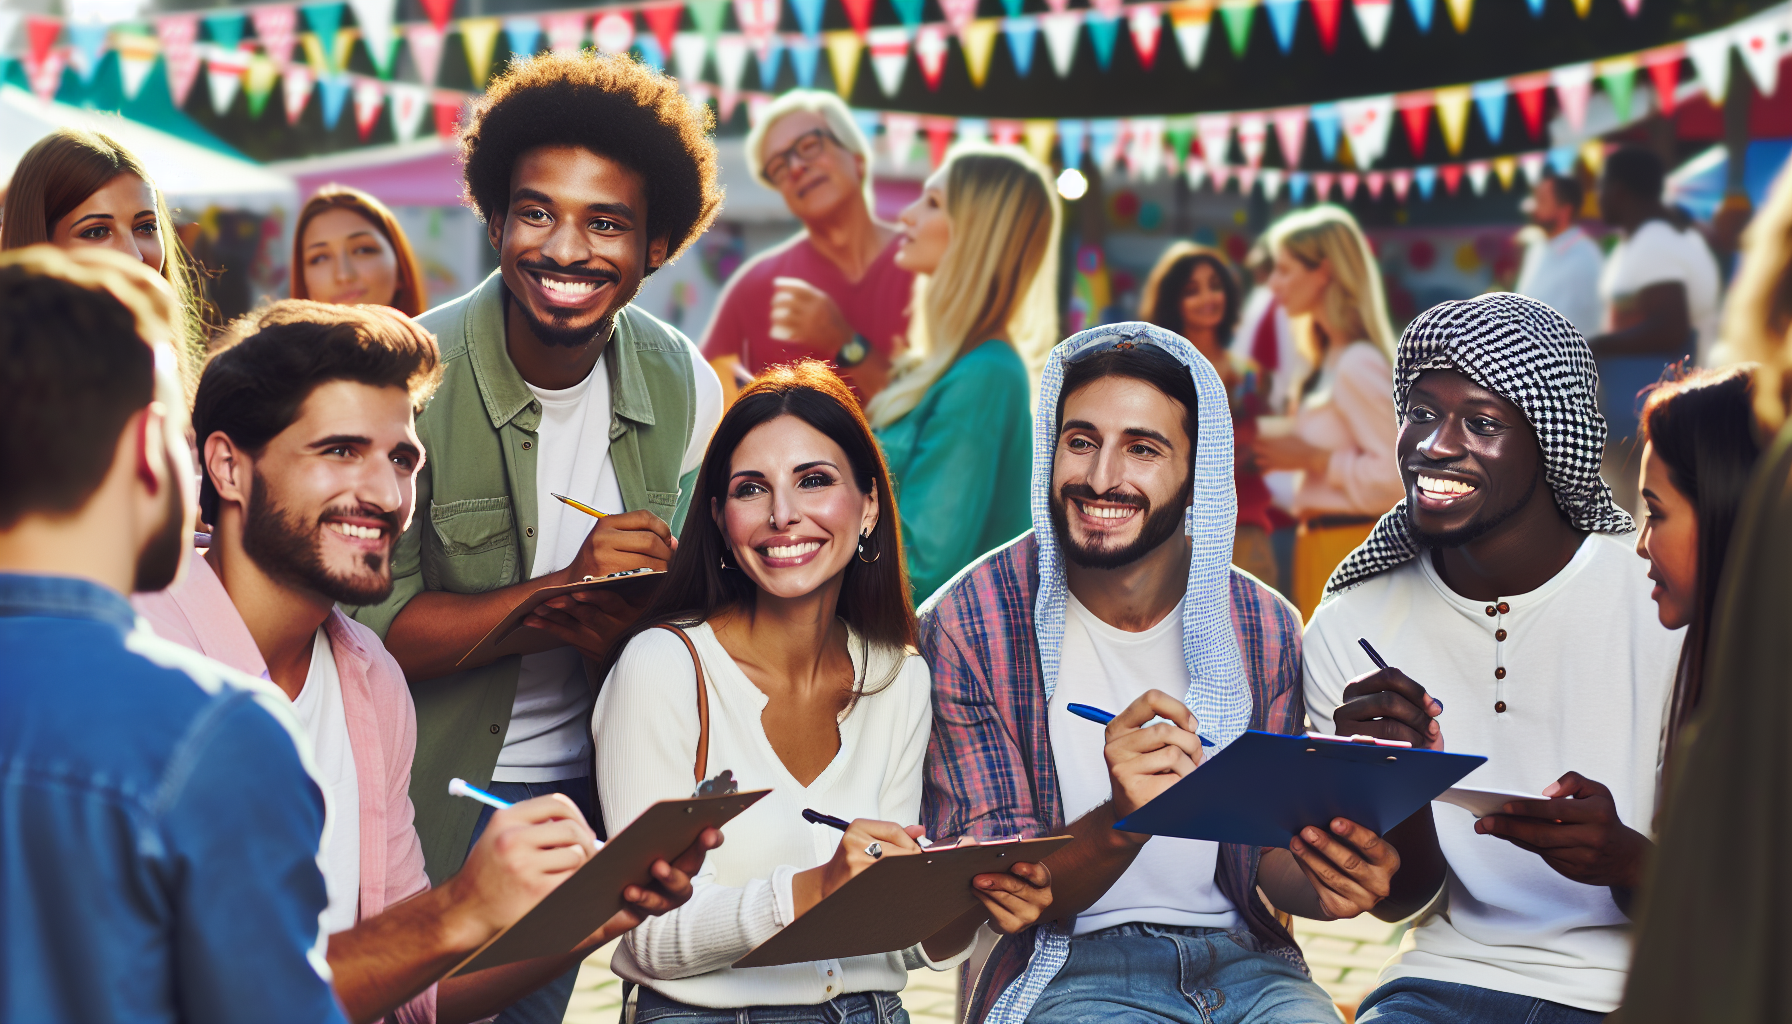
895	903
507	637
582	903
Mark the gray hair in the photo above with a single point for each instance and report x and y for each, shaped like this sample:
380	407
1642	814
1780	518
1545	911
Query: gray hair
831	109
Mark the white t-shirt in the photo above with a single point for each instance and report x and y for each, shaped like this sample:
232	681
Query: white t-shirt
1658	253
548	739
1563	273
319	710
1588	670
1171	880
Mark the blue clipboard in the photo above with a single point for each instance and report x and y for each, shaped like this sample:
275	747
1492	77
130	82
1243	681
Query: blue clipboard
1264	787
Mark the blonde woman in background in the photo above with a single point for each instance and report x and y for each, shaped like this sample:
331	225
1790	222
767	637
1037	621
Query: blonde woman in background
1341	432
956	421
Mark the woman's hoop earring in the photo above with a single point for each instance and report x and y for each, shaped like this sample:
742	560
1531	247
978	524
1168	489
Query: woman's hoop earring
722	560
875	553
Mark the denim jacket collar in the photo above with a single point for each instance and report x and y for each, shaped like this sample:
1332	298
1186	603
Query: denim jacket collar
63	597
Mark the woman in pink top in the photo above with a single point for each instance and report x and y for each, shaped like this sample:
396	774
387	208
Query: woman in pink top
1341	434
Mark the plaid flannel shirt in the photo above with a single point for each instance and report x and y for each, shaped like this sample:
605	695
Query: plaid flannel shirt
990	771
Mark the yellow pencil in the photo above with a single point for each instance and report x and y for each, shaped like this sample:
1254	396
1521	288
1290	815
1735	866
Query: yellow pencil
581	506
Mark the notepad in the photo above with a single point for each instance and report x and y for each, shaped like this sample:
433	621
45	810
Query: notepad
636	586
895	903
582	903
1482	802
1264	787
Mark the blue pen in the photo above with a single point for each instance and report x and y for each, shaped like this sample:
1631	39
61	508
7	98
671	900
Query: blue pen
1100	717
460	787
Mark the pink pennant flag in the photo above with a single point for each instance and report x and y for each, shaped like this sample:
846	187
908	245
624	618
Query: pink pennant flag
425	41
1375	181
1057	6
295	86
614	32
1106	8
1247	179
1347	185
1005	133
45	73
899	135
277	28
930	53
1291	132
1573	85
939	138
178	34
1215	133
1146	23
1402	181
1220	174
565	31
757	103
1253	132
1322	185
448	109
959	13
1633	7
758	21
370	99
1532	165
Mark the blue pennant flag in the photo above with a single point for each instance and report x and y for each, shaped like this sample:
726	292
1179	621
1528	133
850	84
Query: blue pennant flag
1283	14
808	16
1421	13
768	65
523	35
1325	120
1103	133
1297	187
332	91
804	54
868	120
90	40
908	11
649	49
225	29
1021	33
1561	160
1070	142
1426	179
1490	100
1102	33
1536	8
1013	7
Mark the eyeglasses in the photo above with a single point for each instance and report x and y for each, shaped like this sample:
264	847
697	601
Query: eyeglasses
807	147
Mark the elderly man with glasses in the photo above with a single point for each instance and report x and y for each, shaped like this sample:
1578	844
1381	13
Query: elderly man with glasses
833	292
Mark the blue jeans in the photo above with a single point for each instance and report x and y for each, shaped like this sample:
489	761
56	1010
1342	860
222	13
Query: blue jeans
1137	973
547	1004
1424	1001
857	1008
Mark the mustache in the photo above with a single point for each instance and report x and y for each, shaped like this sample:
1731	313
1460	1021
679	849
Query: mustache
589	273
362	511
1113	497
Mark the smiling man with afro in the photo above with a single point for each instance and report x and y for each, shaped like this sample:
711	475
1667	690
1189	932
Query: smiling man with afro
590	173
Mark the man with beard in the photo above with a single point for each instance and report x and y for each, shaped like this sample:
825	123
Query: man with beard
1499	590
161	820
306	434
591	172
1122	597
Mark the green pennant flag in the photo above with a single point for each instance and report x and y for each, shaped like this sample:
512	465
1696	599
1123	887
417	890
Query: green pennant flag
259	81
1619	78
1180	134
707	15
1238	15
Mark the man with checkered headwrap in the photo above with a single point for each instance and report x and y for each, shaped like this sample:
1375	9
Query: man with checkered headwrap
1122	596
1501	590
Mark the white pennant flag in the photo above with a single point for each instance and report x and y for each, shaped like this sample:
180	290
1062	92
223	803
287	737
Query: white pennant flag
409	104
1532	165
1061	32
731	64
1291	132
690	51
1247	180
614	33
1253	132
889	56
296	84
375	17
1401	179
224	75
1759	43
1573	84
899	135
1219	174
1196	172
1366	124
1145	147
565	32
1372	18
1272	178
136	59
1477	175
1215	132
370	96
1710	56
425	42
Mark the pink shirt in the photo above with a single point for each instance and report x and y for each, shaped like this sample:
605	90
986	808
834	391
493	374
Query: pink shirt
1352	416
876	305
382	729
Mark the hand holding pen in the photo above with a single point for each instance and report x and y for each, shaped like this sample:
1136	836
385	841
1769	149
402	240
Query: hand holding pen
1388	705
1145	759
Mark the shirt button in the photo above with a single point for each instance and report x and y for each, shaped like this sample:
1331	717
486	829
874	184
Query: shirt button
1500	635
1499	706
528	445
1499	673
1505	608
528	531
830	974
494	728
1492	611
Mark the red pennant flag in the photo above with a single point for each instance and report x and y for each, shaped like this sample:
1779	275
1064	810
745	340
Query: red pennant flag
1146	23
1325	19
939	138
42	31
1452	176
859	13
1415	112
370	101
1664	71
439	12
447	110
1530	91
930	53
1005	133
662	21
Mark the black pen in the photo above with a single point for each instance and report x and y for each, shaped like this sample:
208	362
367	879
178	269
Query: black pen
1380	664
818	818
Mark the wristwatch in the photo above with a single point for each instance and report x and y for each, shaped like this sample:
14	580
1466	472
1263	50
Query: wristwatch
853	352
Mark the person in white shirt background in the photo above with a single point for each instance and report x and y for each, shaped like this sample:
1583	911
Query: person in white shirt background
781	650
1561	265
1499	591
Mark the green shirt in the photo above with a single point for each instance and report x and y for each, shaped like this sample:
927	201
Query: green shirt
474	525
962	464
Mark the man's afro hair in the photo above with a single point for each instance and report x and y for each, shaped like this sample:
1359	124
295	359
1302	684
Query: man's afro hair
612	106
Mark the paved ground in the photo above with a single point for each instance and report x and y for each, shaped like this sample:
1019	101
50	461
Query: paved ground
1345	956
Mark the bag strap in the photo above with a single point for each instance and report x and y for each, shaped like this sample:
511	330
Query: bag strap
702	765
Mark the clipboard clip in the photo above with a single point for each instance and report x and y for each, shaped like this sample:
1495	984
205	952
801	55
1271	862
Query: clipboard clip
1358	738
723	784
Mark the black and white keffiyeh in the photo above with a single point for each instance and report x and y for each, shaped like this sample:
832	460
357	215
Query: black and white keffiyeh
1532	356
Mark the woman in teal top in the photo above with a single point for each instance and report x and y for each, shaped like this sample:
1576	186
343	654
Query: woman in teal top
956	421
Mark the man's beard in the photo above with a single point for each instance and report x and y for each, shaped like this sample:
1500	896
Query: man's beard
555	332
158	562
1474	529
289	550
1160	525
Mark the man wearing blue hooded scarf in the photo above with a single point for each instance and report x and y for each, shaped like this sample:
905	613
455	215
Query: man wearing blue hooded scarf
1120	596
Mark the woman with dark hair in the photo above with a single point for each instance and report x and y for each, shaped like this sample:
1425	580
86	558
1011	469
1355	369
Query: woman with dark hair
1194	292
781	650
80	188
349	249
1700	447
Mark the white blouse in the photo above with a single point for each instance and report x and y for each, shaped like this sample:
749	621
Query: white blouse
645	730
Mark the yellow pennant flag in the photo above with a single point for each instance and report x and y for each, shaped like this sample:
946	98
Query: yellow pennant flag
1460	12
1040	133
325	65
1506	167
844	49
978	41
479	36
1452	114
1581	7
1592	153
258	82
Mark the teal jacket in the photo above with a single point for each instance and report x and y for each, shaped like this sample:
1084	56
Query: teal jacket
962	462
